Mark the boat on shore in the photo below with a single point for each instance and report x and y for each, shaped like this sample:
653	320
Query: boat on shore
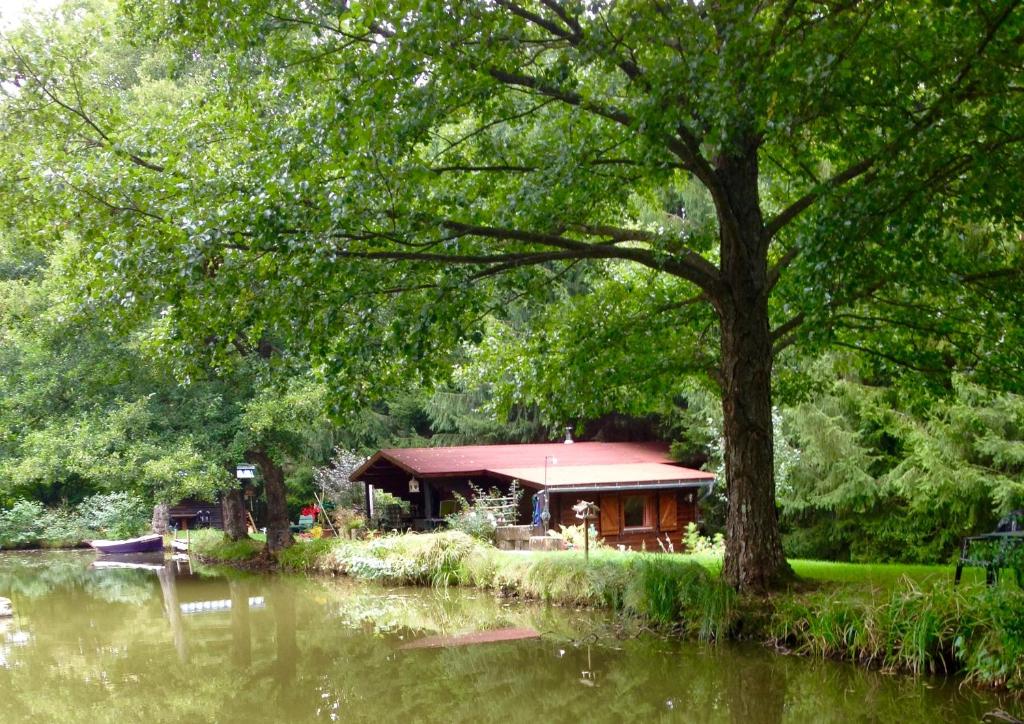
142	544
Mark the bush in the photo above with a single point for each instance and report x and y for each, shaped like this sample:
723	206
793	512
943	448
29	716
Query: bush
306	555
23	524
940	629
115	515
63	529
27	524
667	591
573	537
347	520
480	517
696	543
214	545
476	523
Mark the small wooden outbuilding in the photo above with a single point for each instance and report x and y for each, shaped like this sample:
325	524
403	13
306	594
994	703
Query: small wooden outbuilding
642	493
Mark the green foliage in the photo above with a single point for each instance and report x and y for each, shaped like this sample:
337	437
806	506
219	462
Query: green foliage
485	511
571	188
306	555
937	629
28	524
405	559
657	588
891	473
23	524
115	515
212	545
702	545
573	537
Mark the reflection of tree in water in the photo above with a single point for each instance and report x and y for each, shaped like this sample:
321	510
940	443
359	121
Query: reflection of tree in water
172	610
241	631
121	586
38	573
315	650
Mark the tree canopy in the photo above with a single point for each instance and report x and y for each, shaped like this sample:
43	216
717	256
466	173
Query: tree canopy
374	183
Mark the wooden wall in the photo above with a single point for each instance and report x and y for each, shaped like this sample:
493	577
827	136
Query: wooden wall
669	513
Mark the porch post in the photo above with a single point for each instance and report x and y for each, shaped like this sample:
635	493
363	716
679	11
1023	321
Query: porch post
428	500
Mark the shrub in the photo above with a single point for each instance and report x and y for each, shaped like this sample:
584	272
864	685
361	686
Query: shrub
214	545
473	522
306	555
23	524
940	629
481	516
696	543
64	529
27	524
347	520
115	515
573	537
436	559
665	590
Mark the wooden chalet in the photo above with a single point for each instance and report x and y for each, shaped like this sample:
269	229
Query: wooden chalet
643	495
191	513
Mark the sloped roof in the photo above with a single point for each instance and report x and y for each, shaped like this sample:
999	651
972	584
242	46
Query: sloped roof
545	465
559	476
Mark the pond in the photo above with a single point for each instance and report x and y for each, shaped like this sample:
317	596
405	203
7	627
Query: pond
175	644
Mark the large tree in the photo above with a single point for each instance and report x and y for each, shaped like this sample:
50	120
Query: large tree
792	171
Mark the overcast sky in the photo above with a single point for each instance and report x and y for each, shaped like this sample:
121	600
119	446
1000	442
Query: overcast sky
11	11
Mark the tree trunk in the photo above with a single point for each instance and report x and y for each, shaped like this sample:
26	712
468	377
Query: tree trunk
161	519
753	555
279	535
232	506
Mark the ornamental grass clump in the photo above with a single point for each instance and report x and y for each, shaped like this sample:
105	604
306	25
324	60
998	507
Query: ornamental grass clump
667	591
212	545
560	578
306	555
406	559
935	630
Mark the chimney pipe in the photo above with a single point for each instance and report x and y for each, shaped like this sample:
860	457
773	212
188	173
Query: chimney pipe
568	436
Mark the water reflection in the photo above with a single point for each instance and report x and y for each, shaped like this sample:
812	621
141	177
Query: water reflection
175	644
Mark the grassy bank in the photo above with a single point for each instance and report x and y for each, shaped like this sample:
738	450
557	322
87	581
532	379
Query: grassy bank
911	620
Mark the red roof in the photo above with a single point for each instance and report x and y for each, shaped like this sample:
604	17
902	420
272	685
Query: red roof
545	465
557	476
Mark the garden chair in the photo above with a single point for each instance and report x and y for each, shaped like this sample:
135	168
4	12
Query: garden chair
1003	548
304	524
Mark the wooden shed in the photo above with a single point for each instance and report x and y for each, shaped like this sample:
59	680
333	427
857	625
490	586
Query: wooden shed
643	494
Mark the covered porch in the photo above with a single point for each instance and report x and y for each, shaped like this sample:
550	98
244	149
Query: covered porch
650	494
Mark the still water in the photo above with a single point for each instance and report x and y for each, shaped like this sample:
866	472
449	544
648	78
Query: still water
176	644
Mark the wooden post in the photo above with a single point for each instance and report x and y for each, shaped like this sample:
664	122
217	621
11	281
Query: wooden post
586	511
428	502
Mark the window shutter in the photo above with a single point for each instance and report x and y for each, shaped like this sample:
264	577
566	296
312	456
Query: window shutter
609	514
668	516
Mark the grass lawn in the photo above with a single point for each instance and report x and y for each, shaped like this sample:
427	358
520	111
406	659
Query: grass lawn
874	575
880	574
870	575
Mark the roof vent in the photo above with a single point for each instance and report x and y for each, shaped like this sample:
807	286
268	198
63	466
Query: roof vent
568	436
